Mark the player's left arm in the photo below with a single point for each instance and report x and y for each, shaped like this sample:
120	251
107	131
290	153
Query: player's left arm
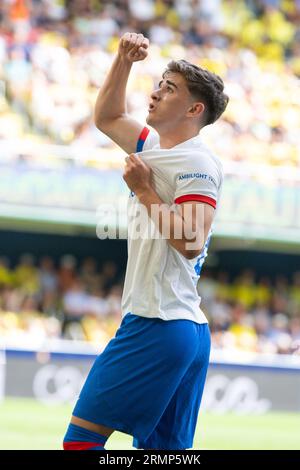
186	228
197	220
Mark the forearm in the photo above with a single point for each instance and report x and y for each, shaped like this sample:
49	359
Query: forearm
169	223
111	100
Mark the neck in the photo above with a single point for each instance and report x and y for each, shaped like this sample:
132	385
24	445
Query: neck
169	140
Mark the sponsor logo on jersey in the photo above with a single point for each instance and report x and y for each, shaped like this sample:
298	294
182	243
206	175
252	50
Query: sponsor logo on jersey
203	176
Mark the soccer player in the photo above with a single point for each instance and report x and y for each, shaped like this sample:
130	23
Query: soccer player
148	382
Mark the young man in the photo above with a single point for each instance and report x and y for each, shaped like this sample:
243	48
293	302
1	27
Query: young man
149	380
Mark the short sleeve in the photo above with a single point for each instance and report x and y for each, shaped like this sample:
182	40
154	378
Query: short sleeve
147	139
203	185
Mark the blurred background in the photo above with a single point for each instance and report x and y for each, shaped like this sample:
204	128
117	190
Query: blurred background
61	286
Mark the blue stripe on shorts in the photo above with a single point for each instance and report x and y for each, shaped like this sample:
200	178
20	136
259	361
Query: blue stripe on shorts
148	382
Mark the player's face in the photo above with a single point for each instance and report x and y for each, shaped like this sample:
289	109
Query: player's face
169	103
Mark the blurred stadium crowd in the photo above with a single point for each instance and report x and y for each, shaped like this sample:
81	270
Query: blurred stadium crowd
54	55
43	301
83	302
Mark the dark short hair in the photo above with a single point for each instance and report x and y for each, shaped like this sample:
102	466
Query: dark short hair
204	85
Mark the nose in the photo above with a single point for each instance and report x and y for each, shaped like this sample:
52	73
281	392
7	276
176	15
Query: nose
155	95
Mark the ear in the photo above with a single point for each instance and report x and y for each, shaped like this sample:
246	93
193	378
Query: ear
196	109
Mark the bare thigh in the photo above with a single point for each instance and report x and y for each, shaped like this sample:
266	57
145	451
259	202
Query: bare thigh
92	426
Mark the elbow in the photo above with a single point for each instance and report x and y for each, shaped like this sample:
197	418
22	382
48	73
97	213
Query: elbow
100	120
191	254
99	123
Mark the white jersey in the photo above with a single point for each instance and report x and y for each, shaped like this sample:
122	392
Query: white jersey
160	282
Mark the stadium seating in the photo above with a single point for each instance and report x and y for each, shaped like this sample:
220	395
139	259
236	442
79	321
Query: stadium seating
53	60
40	301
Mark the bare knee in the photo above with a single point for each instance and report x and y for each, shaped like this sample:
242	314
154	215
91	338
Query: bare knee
99	428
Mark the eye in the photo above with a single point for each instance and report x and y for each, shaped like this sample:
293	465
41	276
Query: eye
168	87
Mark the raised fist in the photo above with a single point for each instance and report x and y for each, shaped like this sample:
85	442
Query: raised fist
133	47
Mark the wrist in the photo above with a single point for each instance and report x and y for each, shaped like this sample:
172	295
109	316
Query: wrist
143	192
123	60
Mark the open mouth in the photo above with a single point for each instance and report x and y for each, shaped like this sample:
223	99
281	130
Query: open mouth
151	107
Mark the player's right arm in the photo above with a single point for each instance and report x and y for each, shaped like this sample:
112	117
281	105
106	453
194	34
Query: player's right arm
110	113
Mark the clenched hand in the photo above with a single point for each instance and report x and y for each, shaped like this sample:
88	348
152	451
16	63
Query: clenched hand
133	47
137	175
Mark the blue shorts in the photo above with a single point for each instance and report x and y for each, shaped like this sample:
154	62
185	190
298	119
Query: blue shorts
148	382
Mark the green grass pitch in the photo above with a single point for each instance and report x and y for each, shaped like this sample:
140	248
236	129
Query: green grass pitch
27	424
